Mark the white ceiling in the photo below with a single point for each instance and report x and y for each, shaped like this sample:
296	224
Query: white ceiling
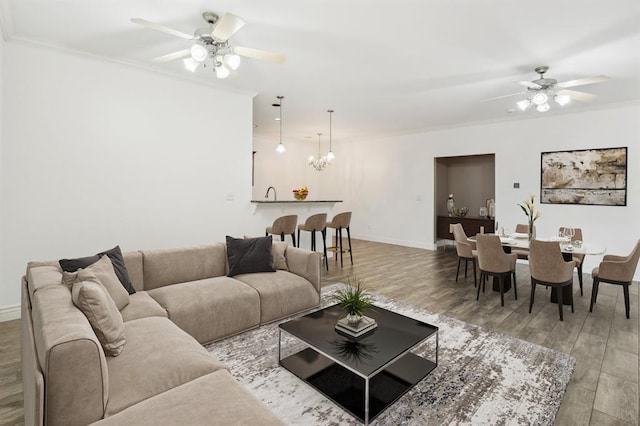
385	67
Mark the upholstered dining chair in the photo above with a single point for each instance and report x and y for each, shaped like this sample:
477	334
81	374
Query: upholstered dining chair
617	270
548	267
466	251
339	222
523	228
578	258
494	262
316	223
284	225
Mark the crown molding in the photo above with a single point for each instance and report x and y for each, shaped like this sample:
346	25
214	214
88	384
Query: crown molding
6	19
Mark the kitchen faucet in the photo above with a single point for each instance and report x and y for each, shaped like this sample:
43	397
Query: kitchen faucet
275	194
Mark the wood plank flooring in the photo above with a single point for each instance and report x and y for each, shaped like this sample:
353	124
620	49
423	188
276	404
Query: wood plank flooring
602	391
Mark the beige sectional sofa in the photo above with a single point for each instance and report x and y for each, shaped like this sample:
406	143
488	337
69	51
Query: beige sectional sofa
163	375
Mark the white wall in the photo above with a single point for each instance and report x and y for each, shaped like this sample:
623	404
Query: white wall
389	183
97	154
2	102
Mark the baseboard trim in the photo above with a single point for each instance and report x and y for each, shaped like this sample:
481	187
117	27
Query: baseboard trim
10	313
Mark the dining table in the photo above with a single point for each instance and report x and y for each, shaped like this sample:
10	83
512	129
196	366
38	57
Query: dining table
568	249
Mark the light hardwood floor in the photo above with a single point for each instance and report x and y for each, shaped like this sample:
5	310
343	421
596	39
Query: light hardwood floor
604	386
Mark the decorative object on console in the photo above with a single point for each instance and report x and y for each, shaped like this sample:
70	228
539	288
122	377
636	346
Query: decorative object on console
211	45
491	208
587	176
483	212
528	207
249	255
301	193
450	204
460	211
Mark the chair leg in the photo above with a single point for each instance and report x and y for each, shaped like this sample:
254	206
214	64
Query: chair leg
481	278
282	236
458	269
594	293
349	240
501	282
533	293
299	240
515	289
340	236
560	302
475	281
625	288
324	246
313	240
293	237
580	277
466	264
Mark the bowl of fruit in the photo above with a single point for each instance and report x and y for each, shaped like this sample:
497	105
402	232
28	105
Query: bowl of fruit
300	193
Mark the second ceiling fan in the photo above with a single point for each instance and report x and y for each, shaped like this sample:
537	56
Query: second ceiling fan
211	45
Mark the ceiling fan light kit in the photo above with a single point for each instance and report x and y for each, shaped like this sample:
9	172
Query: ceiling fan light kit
211	45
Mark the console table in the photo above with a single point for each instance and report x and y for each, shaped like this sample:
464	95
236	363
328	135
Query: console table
471	225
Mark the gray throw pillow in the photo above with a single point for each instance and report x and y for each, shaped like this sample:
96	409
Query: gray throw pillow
279	258
249	255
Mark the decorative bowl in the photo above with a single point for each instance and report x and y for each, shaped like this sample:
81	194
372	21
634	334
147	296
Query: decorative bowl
460	211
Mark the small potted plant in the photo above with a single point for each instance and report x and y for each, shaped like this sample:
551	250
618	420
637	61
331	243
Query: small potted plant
355	301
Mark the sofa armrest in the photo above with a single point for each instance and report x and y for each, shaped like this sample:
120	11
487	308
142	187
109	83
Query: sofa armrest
306	264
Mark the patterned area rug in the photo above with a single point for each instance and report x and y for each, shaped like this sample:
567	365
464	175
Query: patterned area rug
482	377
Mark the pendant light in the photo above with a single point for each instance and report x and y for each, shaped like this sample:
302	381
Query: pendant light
330	155
280	149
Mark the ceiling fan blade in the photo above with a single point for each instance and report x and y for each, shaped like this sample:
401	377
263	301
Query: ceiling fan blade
228	26
263	55
578	96
583	81
530	84
172	56
162	28
503	96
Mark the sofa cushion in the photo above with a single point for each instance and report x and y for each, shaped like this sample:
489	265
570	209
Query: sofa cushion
281	294
212	308
42	276
214	399
95	303
171	266
279	255
158	356
141	305
104	272
248	255
115	255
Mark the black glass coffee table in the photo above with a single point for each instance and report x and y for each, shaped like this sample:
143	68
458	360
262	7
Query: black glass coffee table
363	375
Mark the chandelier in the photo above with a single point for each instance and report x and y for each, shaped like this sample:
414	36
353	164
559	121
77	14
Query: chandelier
320	162
280	148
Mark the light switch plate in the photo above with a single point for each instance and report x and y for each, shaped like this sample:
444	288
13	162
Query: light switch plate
516	185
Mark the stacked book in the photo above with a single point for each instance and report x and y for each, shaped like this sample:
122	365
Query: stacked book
357	329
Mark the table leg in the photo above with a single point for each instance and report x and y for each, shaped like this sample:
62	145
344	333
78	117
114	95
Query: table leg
366	401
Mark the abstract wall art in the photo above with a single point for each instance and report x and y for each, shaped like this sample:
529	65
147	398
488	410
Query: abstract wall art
586	176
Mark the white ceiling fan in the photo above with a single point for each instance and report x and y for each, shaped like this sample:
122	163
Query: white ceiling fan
211	45
539	91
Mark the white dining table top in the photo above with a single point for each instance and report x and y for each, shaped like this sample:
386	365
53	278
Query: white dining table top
518	242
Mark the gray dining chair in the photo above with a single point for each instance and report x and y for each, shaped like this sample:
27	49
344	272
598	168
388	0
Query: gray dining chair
523	228
548	267
284	225
494	262
466	251
617	270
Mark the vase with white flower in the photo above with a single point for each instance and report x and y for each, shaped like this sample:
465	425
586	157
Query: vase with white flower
529	209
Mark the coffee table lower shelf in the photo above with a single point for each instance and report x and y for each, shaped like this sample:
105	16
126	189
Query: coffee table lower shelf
348	389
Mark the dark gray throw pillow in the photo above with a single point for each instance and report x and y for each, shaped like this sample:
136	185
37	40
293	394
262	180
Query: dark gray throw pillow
249	255
115	255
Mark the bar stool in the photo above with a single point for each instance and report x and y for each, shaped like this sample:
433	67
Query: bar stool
313	224
284	225
341	220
